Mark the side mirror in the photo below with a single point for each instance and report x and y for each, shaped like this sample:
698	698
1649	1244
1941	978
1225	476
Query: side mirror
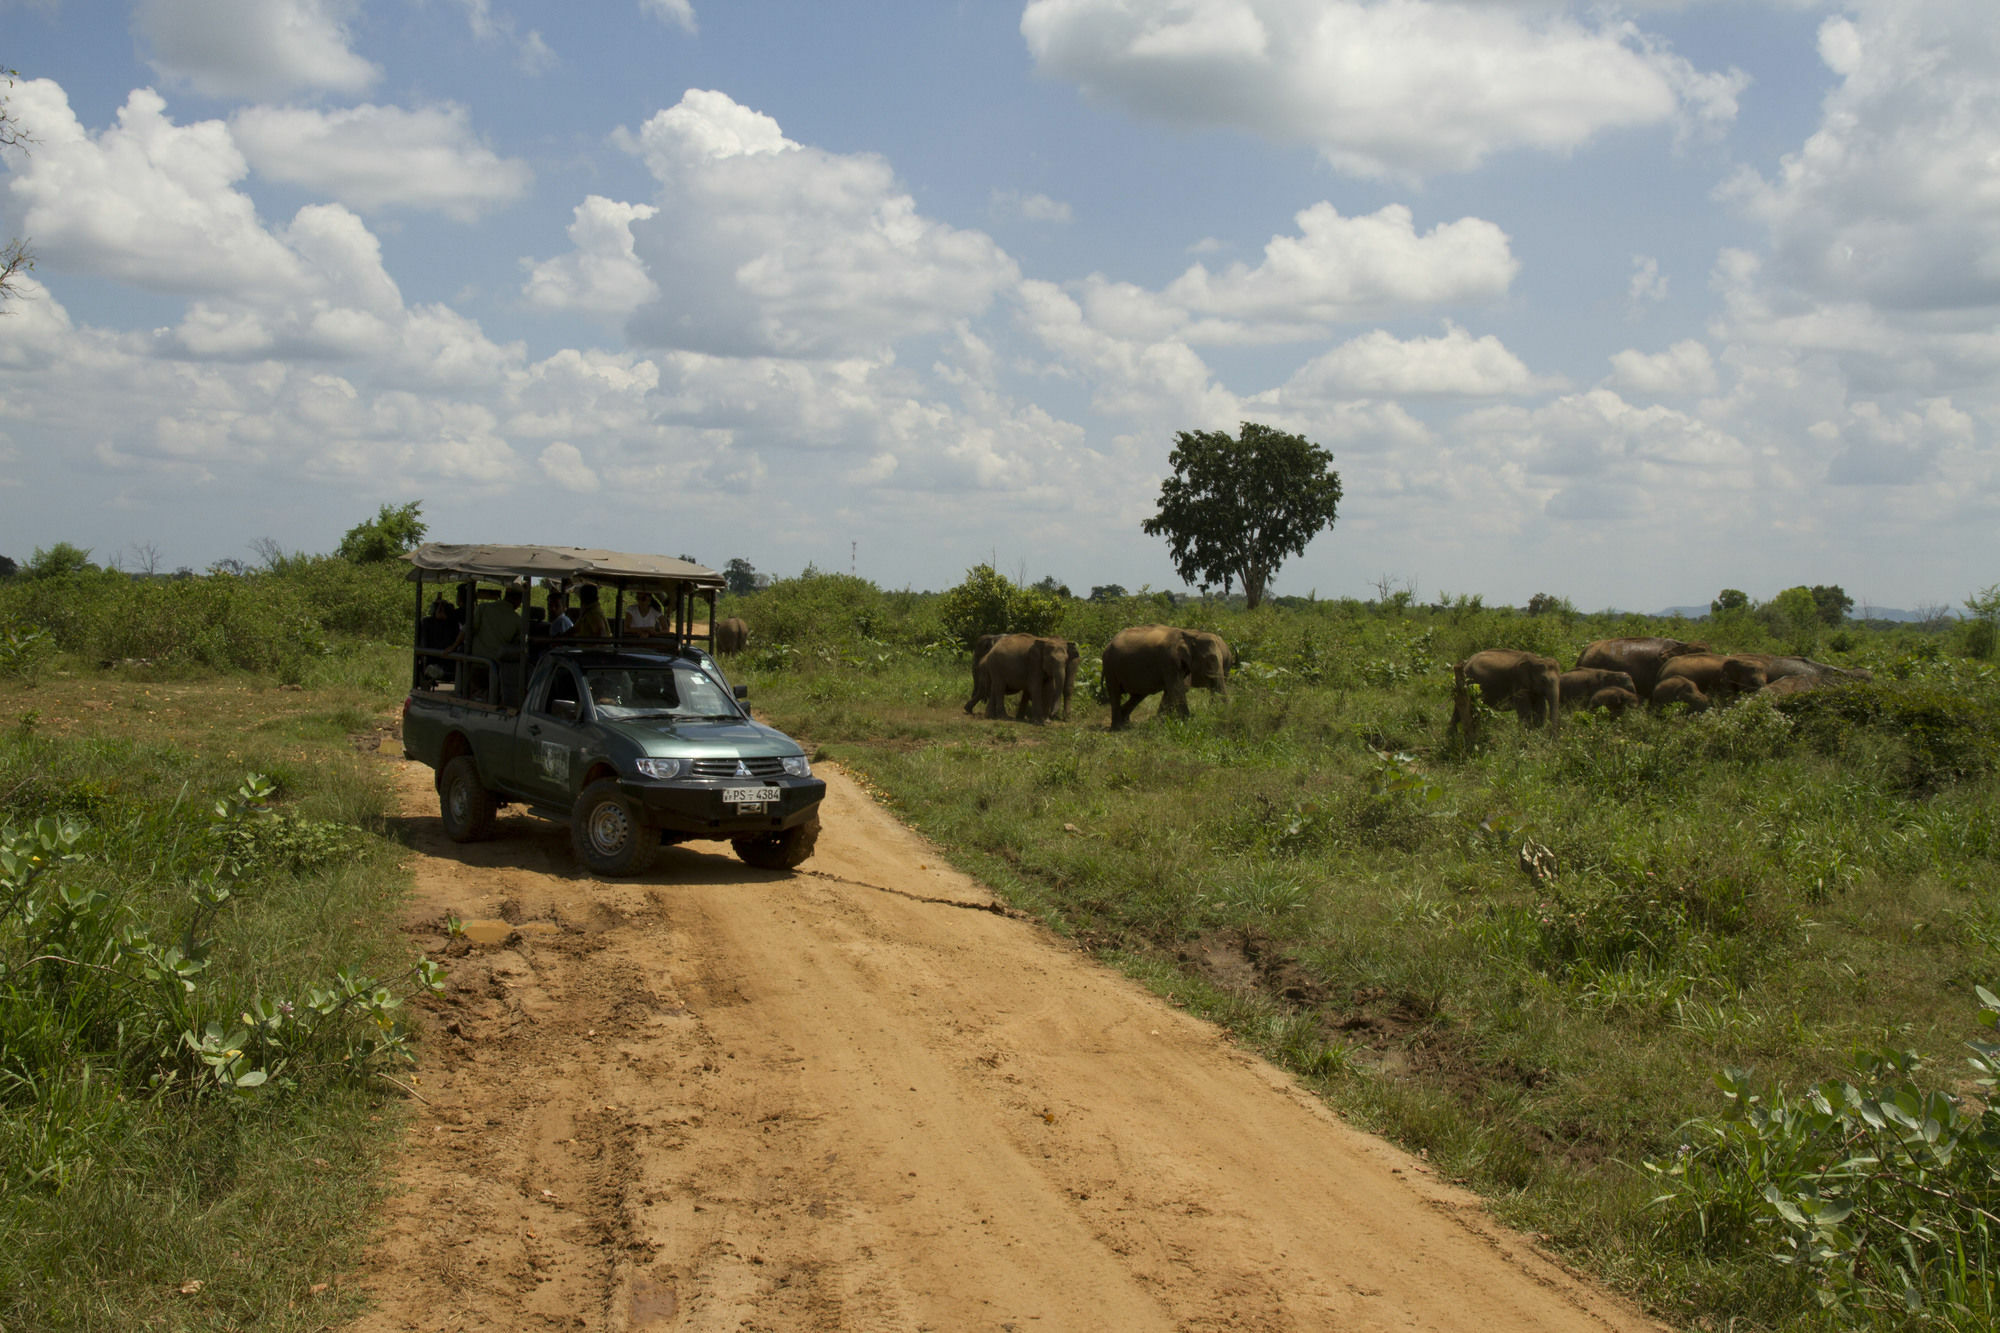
743	691
566	709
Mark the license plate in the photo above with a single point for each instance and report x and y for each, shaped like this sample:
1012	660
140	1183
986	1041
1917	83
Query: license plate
749	795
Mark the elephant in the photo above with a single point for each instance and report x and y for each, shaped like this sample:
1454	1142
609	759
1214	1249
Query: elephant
1641	659
731	635
1224	654
1157	659
1721	678
1531	683
1777	667
1072	657
1614	699
1784	685
1024	664
1580	688
1680	690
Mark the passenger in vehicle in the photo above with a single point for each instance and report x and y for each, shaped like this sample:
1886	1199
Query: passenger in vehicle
496	634
642	618
560	624
590	621
436	633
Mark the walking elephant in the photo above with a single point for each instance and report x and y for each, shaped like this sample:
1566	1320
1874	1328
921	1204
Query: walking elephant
1156	659
1722	679
1072	657
1533	684
1023	664
1641	659
1224	662
731	635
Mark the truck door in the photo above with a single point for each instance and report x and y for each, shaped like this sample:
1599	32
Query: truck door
549	737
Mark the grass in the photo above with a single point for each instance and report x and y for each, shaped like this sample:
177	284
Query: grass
1324	871
1313	863
126	1208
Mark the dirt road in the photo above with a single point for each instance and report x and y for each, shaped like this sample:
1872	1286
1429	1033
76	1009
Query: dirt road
861	1099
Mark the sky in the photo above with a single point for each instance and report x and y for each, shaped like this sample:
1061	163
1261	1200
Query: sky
1620	302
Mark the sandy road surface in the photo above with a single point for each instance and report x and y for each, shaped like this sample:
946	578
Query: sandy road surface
859	1099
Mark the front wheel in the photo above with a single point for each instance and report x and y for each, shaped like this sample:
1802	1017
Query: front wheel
467	807
606	833
779	851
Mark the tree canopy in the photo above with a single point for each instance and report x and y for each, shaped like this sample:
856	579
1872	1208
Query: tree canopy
1236	508
395	530
740	575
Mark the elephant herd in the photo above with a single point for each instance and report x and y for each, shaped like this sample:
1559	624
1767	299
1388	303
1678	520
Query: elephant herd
1138	662
1615	674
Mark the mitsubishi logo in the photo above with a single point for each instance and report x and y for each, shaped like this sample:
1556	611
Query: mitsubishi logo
742	769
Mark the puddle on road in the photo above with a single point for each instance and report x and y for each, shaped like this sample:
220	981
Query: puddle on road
499	932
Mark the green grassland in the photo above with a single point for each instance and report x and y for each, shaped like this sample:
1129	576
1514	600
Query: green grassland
1801	891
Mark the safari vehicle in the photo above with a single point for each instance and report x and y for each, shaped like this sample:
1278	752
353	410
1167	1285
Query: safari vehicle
635	741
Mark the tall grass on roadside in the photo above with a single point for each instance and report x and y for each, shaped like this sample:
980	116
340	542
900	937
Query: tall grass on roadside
278	621
192	1018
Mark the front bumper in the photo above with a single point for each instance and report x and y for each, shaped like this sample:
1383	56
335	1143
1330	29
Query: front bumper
698	810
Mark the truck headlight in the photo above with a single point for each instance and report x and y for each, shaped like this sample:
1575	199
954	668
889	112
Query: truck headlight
660	768
798	766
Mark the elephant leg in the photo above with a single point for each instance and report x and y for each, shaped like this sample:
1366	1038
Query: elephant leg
996	698
978	689
1175	699
1121	711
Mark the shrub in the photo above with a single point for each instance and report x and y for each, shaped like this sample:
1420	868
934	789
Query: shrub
989	603
1879	1194
1947	734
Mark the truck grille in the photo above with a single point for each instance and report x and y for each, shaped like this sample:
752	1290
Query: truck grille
727	768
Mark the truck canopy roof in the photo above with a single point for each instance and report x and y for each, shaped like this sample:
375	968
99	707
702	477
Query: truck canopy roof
588	564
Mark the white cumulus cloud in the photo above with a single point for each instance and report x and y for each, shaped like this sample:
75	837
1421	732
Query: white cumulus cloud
1683	369
253	48
1381	87
602	274
1378	364
562	463
374	158
762	246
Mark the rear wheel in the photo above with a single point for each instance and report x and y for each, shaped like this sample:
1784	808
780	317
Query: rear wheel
607	834
467	807
779	851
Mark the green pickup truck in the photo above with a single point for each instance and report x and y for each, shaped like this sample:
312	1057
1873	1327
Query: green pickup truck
633	737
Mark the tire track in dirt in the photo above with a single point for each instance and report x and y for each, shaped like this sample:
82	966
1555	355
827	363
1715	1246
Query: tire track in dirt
720	1098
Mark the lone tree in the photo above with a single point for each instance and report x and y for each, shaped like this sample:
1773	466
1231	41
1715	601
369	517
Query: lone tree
741	576
1236	508
395	530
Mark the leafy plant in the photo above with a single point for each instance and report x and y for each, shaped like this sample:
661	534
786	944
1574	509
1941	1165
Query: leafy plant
1879	1194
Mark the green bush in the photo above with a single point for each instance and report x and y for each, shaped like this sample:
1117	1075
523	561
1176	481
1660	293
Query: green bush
1878	1194
989	603
1945	733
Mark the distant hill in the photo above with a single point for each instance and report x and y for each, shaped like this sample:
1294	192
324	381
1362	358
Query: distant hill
1874	613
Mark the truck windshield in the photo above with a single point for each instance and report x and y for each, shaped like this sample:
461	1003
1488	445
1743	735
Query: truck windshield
680	690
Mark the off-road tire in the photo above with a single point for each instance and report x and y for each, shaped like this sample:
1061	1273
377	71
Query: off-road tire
607	834
464	803
779	851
